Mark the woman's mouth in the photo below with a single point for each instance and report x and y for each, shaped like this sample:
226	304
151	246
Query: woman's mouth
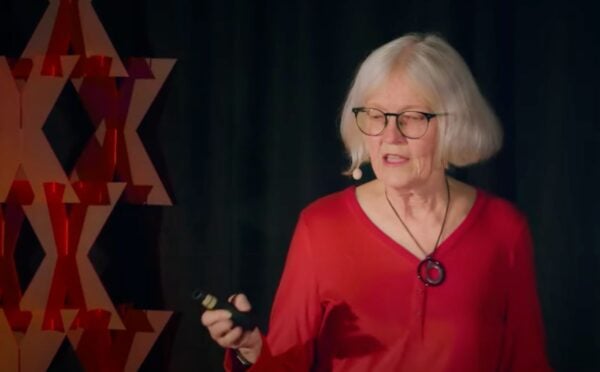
394	159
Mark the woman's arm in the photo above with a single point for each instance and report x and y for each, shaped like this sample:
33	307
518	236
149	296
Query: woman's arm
524	342
296	313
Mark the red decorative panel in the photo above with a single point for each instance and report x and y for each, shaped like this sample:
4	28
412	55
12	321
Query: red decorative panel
65	298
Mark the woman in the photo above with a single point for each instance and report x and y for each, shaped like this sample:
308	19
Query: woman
413	271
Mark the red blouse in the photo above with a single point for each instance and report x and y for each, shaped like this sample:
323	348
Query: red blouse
349	298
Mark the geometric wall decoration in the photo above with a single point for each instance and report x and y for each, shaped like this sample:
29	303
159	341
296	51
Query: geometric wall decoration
67	209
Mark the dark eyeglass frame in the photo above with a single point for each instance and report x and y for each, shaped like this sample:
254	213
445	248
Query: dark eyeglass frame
428	116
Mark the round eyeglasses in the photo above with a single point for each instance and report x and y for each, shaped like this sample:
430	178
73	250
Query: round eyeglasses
412	124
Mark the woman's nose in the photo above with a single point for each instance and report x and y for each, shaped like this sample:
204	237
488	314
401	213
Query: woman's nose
391	133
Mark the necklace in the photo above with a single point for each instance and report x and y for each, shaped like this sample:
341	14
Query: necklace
430	271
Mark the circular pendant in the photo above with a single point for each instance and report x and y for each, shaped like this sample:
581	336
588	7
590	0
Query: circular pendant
431	272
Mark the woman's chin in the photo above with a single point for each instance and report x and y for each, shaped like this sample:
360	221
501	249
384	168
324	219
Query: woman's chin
397	179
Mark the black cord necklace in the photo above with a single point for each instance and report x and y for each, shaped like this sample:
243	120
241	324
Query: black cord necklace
430	271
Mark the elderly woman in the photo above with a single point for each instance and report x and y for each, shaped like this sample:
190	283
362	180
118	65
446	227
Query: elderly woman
413	271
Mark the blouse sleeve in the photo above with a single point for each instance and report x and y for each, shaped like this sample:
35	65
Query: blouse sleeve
524	342
296	313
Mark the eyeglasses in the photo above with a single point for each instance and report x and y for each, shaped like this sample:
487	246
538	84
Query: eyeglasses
412	124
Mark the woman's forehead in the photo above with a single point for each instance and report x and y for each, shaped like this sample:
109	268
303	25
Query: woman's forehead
397	91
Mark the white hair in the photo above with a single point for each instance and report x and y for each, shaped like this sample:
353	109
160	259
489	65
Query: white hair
468	133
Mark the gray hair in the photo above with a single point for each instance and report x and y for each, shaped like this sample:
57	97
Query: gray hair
468	134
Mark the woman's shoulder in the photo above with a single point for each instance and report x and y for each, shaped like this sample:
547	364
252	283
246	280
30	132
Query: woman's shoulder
332	205
500	205
500	210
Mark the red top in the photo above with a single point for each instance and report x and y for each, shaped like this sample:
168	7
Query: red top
350	300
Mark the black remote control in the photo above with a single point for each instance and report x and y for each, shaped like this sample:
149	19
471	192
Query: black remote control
210	302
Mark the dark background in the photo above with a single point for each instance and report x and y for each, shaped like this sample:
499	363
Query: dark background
244	134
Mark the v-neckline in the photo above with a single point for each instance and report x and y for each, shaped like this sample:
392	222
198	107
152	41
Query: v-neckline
442	248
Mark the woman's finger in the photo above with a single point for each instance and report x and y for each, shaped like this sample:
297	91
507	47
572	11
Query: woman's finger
220	329
231	339
210	317
240	301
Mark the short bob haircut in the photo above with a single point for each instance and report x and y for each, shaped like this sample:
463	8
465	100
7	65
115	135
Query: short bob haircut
467	134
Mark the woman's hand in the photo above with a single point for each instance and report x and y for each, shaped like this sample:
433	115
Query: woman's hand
223	331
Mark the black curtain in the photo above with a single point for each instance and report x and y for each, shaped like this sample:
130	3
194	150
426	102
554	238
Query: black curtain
245	134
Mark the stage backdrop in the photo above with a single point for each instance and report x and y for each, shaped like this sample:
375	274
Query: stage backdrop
239	134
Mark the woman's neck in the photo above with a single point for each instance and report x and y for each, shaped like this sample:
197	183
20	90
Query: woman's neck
419	202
